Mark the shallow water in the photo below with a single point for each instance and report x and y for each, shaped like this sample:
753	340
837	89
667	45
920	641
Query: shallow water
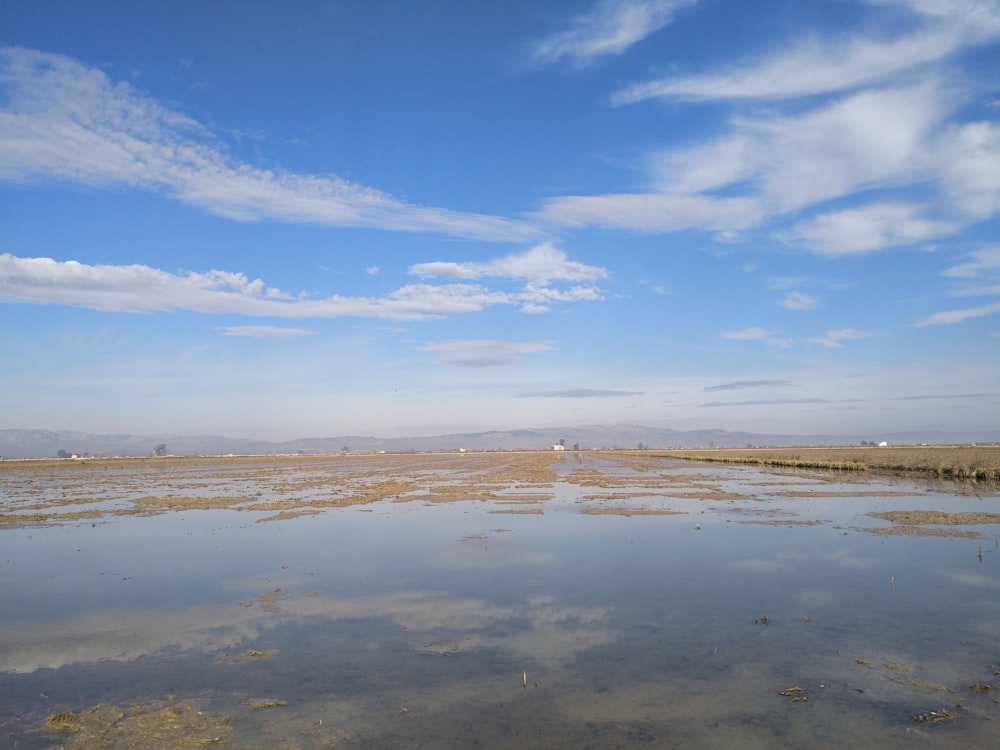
413	622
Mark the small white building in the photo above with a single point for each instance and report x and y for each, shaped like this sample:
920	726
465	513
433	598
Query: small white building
558	447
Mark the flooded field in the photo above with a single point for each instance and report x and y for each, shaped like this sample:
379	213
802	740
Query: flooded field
503	600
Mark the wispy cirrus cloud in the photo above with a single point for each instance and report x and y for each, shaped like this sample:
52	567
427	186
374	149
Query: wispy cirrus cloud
798	301
609	27
767	402
578	393
869	119
822	66
976	264
266	332
951	317
978	275
484	352
65	121
835	337
866	229
743	384
139	288
758	334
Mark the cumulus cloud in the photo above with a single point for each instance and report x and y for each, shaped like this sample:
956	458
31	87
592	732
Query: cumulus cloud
139	288
68	122
484	352
609	28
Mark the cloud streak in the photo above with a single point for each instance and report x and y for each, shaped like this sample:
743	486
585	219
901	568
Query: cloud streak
824	66
741	384
68	122
855	118
484	352
265	332
142	289
610	27
578	393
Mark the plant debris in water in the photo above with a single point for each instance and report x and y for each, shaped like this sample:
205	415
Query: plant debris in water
139	727
940	716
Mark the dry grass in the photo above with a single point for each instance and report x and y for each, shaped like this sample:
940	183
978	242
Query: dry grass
978	463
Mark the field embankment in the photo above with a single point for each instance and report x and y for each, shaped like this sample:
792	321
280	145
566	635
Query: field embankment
977	462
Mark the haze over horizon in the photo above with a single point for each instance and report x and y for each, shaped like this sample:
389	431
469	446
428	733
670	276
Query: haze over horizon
401	219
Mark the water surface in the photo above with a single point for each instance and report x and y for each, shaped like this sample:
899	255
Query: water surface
452	613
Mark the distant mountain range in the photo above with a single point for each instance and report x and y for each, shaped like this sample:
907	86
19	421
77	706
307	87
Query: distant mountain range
45	443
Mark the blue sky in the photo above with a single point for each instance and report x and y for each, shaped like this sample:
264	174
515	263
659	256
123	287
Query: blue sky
397	218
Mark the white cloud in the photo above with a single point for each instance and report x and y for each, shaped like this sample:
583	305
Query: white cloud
609	28
758	334
578	393
265	332
834	338
766	402
741	384
67	122
869	139
774	165
821	66
138	288
373	270
484	352
798	301
866	229
950	317
653	212
969	163
539	265
979	262
885	128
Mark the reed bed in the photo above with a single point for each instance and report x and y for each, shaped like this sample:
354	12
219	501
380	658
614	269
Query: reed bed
980	463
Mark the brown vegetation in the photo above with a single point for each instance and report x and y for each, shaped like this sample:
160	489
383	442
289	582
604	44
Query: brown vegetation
979	463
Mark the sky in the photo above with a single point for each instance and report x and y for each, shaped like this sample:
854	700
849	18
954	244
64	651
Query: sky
303	219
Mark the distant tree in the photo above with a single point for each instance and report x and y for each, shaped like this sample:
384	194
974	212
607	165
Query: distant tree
562	441
160	450
345	449
640	446
61	453
576	446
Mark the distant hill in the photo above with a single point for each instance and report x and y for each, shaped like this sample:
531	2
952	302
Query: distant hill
45	443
